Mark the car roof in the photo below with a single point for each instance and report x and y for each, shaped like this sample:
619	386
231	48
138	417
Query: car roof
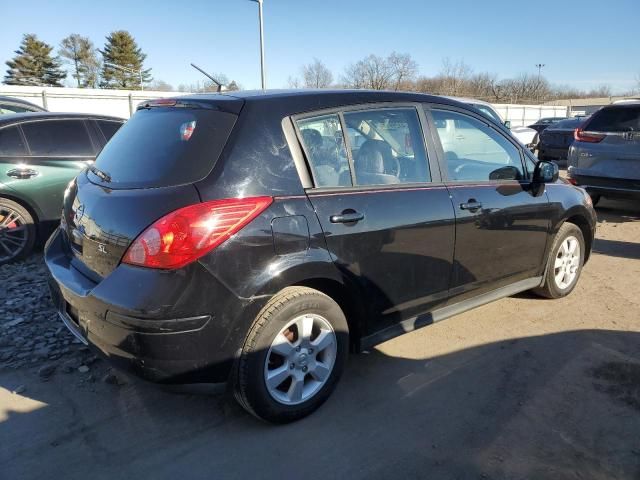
19	101
631	104
300	100
473	101
13	118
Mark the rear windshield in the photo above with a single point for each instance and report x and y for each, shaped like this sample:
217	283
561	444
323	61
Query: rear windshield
163	147
615	119
566	124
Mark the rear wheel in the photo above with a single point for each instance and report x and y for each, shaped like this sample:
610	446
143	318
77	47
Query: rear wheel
17	231
564	263
293	356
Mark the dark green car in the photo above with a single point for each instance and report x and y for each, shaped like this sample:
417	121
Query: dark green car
40	153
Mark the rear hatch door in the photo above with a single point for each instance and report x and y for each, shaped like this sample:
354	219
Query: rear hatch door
617	155
147	170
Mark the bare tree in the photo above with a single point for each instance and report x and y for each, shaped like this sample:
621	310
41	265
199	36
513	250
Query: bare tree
377	73
316	75
603	90
160	86
455	75
403	69
372	72
83	57
294	82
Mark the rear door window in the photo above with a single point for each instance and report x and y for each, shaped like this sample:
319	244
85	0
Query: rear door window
384	145
11	143
58	138
164	146
324	145
621	119
390	147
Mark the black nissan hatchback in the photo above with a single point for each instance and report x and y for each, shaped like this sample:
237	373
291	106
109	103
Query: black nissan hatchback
257	237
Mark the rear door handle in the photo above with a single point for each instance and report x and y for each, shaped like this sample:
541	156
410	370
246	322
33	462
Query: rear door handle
346	217
22	173
471	205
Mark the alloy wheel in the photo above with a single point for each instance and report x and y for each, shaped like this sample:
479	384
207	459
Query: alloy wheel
300	359
567	262
13	233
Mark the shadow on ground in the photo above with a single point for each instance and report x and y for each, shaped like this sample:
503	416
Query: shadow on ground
537	407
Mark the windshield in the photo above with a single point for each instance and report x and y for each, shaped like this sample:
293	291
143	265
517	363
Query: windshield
615	119
567	124
489	112
162	147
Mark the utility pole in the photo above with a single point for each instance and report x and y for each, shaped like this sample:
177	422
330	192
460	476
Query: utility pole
539	66
262	73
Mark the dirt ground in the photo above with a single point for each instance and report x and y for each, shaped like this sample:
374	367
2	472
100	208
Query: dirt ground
523	388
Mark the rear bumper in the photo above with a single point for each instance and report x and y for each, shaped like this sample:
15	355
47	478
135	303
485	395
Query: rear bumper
157	325
608	186
554	153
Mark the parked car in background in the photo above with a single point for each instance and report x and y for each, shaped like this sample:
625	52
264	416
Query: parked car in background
9	105
556	139
543	123
39	154
525	135
605	155
257	236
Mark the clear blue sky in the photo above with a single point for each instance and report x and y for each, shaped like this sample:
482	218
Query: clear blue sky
583	43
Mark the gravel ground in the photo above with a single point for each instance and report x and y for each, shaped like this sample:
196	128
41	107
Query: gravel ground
31	335
522	388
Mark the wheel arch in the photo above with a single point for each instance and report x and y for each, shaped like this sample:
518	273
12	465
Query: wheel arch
24	203
582	223
349	302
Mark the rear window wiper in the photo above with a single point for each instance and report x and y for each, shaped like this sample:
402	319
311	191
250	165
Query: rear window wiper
104	176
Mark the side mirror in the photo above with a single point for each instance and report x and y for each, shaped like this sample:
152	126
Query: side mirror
546	172
505	173
507	123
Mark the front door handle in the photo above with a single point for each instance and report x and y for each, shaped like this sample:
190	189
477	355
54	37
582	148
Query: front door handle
346	217
471	205
22	173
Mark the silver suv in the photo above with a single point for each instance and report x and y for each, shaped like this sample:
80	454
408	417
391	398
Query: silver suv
605	155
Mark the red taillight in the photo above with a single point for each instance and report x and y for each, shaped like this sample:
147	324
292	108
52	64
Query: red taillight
185	235
163	102
588	137
572	181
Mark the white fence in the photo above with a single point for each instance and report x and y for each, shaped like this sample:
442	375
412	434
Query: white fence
119	103
122	103
524	115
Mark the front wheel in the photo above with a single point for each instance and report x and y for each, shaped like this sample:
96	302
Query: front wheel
293	356
17	231
564	263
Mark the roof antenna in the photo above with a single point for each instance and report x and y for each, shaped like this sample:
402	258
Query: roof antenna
208	76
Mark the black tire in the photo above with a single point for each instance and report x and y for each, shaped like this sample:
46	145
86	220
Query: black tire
248	380
9	252
595	198
550	288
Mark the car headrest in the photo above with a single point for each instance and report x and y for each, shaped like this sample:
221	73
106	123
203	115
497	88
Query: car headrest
312	138
371	156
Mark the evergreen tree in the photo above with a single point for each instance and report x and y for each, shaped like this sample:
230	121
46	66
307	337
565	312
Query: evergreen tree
34	65
122	51
82	55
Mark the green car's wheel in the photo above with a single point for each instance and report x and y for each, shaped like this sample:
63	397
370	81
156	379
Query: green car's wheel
17	231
